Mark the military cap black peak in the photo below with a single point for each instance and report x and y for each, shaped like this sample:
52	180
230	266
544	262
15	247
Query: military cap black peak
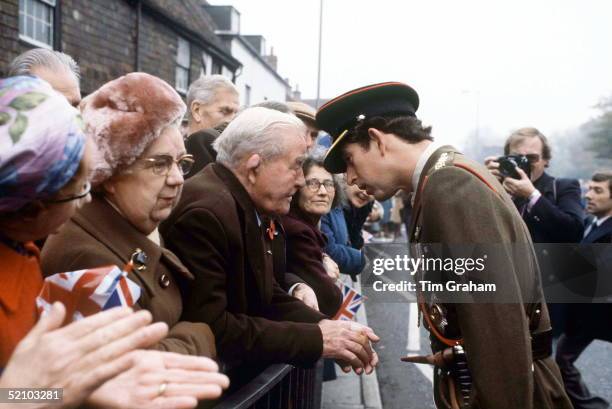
344	111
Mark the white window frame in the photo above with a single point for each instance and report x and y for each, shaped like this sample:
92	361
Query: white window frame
183	63
26	17
206	64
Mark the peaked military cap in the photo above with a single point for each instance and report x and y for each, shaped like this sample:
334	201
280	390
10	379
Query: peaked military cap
340	114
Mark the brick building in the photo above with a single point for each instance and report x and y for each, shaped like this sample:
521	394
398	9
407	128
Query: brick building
174	40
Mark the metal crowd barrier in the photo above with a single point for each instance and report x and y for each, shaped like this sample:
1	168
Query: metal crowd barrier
278	387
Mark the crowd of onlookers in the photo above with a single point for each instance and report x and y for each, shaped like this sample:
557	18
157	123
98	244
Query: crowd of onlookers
232	266
236	233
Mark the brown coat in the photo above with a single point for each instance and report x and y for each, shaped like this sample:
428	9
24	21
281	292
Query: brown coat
215	231
454	206
97	235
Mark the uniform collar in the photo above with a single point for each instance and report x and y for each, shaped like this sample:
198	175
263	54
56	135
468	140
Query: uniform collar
416	176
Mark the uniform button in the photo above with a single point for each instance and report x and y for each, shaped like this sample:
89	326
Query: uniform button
164	281
537	219
545	252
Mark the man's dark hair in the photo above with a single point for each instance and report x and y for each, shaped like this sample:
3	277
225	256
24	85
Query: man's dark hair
407	128
602	176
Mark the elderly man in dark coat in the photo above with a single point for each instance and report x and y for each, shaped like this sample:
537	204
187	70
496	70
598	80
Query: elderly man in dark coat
222	230
490	351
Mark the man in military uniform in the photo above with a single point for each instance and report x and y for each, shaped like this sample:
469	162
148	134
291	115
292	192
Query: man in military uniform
487	355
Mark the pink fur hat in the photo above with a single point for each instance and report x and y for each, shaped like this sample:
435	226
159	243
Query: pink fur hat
124	116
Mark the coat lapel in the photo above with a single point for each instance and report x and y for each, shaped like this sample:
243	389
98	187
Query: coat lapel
599	232
253	234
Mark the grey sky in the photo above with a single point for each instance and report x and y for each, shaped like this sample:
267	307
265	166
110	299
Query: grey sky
536	63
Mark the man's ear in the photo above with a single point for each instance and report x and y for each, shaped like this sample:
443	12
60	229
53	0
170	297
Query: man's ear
379	139
194	108
252	165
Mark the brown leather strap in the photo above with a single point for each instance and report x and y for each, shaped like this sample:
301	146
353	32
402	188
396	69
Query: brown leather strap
541	345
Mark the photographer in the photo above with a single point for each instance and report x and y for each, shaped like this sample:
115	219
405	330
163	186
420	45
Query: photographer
549	206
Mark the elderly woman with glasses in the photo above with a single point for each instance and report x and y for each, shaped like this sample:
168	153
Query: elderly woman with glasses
45	160
305	242
137	180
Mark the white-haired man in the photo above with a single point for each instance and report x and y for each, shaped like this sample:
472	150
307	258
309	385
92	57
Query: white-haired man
221	230
57	68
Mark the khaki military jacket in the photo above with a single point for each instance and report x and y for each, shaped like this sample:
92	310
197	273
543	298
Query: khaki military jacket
457	201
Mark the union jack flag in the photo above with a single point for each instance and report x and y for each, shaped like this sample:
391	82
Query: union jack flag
351	301
86	292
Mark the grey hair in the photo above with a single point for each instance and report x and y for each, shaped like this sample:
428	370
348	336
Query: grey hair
204	89
254	130
42	57
275	105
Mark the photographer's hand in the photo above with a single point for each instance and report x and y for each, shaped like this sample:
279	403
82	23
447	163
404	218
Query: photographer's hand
493	165
519	187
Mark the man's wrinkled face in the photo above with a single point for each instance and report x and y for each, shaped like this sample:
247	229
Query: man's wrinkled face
598	200
533	146
221	109
366	169
279	178
63	81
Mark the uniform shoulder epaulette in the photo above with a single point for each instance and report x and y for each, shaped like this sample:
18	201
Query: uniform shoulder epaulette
461	162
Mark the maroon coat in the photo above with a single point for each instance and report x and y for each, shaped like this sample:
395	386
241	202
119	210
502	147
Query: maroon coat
216	232
305	244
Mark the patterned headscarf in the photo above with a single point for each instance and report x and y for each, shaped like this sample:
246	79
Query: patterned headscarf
41	141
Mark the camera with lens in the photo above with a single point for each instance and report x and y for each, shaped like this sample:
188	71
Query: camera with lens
509	163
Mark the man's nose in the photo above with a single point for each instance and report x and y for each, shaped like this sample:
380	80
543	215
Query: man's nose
351	177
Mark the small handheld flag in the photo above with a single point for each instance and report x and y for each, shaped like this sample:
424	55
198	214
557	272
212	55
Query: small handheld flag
351	301
86	292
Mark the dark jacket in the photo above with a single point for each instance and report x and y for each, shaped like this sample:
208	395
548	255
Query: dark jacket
215	230
458	202
557	215
595	319
355	218
305	245
199	144
350	260
98	236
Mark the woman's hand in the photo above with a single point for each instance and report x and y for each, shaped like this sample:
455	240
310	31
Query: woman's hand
306	294
162	380
81	356
331	267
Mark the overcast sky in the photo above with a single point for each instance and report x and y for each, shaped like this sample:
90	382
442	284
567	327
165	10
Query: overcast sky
496	64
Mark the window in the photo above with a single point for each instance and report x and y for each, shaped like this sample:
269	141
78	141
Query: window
206	64
216	67
36	22
183	62
247	95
